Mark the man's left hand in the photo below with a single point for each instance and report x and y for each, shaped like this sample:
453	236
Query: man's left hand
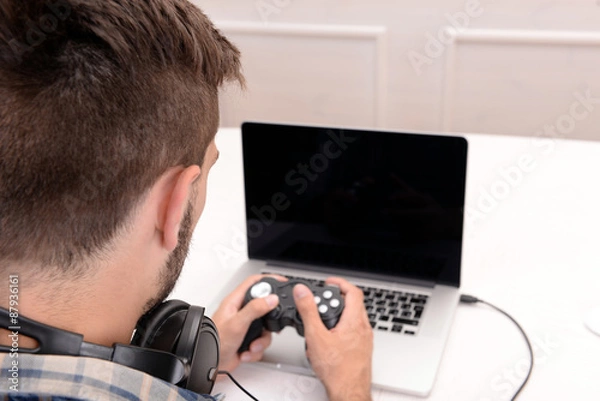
233	322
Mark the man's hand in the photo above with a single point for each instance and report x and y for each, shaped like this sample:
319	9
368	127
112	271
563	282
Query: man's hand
233	322
341	357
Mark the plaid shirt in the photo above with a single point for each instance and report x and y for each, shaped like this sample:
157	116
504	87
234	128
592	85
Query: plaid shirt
52	377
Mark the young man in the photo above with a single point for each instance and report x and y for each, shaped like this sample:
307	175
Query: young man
108	112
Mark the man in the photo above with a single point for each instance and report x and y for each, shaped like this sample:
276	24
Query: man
108	112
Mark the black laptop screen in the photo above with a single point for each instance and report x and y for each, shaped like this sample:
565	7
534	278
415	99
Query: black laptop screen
374	202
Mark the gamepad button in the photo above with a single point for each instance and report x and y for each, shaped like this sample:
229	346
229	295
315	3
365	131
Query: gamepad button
334	303
323	309
261	290
317	300
327	294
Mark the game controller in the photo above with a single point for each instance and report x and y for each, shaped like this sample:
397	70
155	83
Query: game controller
329	300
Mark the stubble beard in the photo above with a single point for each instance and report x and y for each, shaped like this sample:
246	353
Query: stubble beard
172	270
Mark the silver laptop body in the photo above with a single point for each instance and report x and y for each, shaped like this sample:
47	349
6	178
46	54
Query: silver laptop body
381	209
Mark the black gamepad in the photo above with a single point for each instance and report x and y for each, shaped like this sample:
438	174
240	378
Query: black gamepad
330	304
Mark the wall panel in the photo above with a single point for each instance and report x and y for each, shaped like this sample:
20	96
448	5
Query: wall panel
306	73
520	82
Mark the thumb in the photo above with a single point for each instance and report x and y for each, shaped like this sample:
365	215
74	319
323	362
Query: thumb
257	308
307	308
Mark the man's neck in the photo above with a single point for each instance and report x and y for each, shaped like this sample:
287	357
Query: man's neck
102	309
104	301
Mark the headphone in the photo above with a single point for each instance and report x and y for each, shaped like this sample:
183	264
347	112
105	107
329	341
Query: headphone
174	342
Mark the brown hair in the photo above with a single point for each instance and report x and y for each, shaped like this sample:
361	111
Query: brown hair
98	98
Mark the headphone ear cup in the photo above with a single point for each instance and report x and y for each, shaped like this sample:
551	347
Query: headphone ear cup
201	348
178	328
161	326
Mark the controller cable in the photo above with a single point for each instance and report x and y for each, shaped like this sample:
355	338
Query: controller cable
469	299
466	299
213	372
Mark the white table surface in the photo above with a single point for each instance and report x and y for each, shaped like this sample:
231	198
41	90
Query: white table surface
533	250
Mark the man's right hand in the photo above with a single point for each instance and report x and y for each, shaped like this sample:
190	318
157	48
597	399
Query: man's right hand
341	357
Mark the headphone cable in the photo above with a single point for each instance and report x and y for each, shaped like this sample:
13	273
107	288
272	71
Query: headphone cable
224	372
469	299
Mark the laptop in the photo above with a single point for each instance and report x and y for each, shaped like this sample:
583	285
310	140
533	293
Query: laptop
382	209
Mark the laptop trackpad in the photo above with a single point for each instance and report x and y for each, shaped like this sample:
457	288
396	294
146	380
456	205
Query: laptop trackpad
288	352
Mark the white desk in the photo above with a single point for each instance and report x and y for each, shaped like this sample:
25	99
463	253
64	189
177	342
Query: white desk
534	251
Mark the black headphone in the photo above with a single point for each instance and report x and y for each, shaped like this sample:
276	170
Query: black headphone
174	342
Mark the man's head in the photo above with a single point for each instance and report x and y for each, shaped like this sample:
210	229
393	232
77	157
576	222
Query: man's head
101	100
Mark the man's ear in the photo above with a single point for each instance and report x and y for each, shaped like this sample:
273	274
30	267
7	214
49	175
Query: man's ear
176	201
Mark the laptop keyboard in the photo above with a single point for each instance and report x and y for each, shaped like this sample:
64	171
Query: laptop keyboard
388	310
394	311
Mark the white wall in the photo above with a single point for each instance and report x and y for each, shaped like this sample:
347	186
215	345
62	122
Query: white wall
515	67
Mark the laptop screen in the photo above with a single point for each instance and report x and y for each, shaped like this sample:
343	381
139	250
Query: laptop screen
375	203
